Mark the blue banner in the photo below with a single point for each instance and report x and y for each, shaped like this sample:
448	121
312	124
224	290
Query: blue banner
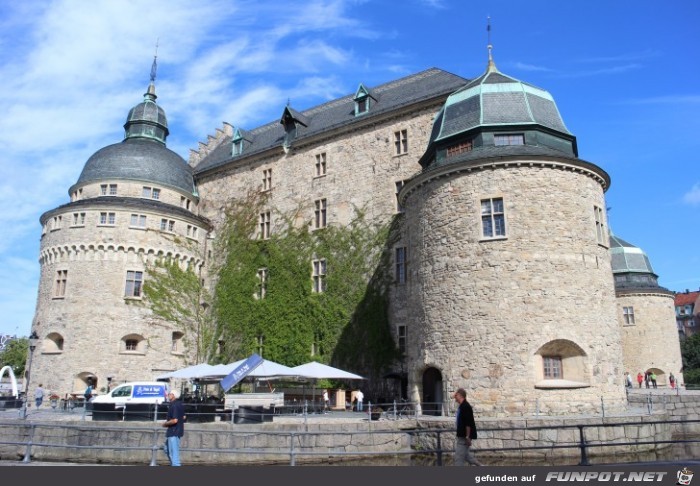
241	371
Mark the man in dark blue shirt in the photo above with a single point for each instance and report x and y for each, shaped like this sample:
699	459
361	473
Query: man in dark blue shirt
466	430
175	422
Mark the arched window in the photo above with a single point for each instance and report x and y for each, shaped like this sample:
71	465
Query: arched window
561	364
133	344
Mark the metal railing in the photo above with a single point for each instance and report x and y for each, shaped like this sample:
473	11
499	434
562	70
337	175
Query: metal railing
294	445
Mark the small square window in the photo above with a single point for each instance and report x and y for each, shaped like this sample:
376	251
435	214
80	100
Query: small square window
552	367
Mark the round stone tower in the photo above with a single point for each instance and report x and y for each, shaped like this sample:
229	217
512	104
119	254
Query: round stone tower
646	314
134	202
509	290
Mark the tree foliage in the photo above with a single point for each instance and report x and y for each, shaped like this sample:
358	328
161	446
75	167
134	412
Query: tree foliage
15	355
176	295
291	323
690	350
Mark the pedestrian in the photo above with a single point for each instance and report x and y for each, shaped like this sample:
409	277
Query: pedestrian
88	392
646	379
359	396
175	422
39	395
628	380
672	381
326	401
466	430
640	378
653	379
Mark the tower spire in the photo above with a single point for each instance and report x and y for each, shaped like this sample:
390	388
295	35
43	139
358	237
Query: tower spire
491	67
151	92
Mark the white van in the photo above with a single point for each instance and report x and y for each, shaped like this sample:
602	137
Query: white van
135	392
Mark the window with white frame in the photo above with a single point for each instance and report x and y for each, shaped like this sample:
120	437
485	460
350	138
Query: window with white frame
319	275
108	219
264	225
78	219
262	283
493	222
138	221
321	164
320	213
134	282
61	280
509	139
552	367
167	225
401	142
601	234
103	189
192	231
112	189
267	179
628	315
399	186
400	265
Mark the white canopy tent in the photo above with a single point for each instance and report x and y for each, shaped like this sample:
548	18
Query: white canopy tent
318	370
190	372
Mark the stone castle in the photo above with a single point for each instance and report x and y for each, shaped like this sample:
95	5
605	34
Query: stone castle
507	280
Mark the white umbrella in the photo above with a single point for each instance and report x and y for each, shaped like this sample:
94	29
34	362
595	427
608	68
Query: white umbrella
194	371
266	369
318	370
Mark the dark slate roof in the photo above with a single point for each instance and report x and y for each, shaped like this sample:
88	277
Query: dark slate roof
495	99
627	257
341	112
138	160
126	203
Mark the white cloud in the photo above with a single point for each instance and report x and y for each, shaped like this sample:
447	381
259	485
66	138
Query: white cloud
692	197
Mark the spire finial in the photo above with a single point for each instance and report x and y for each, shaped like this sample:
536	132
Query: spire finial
154	66
491	65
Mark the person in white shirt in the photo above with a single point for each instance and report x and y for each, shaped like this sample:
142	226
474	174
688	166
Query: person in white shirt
359	396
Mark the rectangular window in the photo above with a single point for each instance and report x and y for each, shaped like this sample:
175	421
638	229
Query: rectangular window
103	189
192	231
138	221
399	186
320	214
262	283
108	219
150	192
401	265
628	315
267	179
265	225
321	164
112	189
78	219
167	225
402	339
185	203
510	139
459	148
61	279
319	275
552	367
401	142
134	280
600	232
493	222
56	223
131	344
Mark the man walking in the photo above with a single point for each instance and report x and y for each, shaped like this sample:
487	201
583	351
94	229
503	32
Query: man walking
466	430
175	422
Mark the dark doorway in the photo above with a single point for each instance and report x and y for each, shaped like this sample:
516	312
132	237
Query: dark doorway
432	392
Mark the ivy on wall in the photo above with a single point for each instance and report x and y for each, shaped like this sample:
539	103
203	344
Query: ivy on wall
345	325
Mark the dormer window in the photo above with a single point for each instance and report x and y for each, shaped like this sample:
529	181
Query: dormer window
240	141
363	100
291	119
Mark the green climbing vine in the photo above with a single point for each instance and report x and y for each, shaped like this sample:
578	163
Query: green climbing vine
265	300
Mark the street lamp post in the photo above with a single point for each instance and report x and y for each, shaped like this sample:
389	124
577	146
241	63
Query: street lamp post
33	340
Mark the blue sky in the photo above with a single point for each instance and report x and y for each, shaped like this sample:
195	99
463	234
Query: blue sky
624	75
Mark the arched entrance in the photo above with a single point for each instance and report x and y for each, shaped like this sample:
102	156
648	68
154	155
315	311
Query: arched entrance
432	392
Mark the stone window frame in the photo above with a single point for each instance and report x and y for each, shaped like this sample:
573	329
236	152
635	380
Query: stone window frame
264	223
400	142
320	213
167	225
60	284
133	344
78	220
150	192
138	221
107	218
321	164
133	284
398	185
267	180
628	315
400	265
261	287
574	371
600	226
402	337
319	270
192	231
52	344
